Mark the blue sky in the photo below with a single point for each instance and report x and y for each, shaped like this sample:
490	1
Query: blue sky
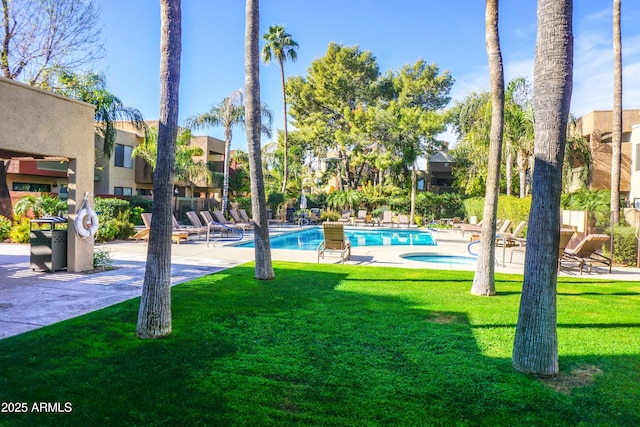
447	33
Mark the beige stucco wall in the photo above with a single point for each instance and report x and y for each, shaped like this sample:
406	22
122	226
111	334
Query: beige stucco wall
33	121
110	175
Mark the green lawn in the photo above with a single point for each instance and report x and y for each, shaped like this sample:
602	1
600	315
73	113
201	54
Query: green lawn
336	346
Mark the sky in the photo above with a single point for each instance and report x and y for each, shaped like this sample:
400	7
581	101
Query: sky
447	33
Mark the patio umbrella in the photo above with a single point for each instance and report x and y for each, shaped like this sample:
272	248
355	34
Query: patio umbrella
303	201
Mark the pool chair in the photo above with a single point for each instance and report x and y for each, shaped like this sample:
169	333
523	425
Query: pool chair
220	219
345	217
515	238
361	219
244	216
585	253
387	219
566	233
403	220
238	221
177	235
335	242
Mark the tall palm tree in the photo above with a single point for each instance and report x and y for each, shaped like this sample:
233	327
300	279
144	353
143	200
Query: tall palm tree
154	315
280	45
484	280
91	87
616	127
228	113
535	348
253	124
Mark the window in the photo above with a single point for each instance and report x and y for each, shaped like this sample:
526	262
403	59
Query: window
123	156
144	192
122	191
638	157
24	186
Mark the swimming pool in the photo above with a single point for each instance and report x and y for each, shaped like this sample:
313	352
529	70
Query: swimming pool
308	239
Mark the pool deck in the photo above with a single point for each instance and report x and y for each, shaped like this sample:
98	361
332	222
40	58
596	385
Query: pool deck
32	299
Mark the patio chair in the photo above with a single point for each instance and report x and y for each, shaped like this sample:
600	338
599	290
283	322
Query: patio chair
237	220
515	238
334	242
585	252
345	217
387	218
566	233
471	228
403	220
244	216
177	235
220	219
361	219
205	228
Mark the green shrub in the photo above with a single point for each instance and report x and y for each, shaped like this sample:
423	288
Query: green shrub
5	227
145	204
625	246
512	208
400	204
329	216
135	215
109	208
20	230
118	228
102	257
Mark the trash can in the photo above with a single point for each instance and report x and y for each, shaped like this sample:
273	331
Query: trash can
48	244
291	214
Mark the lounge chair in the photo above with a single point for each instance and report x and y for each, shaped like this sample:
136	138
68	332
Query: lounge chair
238	221
515	238
220	219
403	220
387	218
471	228
345	217
334	241
361	219
585	252
205	228
566	233
244	216
177	235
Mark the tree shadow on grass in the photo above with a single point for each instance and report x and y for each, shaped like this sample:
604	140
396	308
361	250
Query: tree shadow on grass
306	348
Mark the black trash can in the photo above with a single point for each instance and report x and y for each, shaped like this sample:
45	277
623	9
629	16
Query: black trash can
291	214
48	244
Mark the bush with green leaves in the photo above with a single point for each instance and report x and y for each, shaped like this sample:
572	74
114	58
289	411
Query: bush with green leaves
20	230
135	215
5	227
513	208
114	219
596	202
102	257
329	216
42	205
625	246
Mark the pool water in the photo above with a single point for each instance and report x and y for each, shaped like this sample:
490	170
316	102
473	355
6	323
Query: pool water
308	239
441	259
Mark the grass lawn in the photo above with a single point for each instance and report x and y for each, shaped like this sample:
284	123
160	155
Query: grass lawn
336	346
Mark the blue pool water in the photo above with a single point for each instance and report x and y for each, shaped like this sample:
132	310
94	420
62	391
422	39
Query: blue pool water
308	239
441	259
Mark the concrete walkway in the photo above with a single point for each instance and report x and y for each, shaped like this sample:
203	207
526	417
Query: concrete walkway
32	299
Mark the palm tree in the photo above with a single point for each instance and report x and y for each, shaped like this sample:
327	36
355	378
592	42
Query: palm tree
228	113
280	45
154	315
484	280
616	127
91	87
535	347
186	170
253	124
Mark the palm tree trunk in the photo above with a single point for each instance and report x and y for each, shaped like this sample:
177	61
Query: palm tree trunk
154	316
484	280
227	158
264	267
616	127
535	349
509	168
285	160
